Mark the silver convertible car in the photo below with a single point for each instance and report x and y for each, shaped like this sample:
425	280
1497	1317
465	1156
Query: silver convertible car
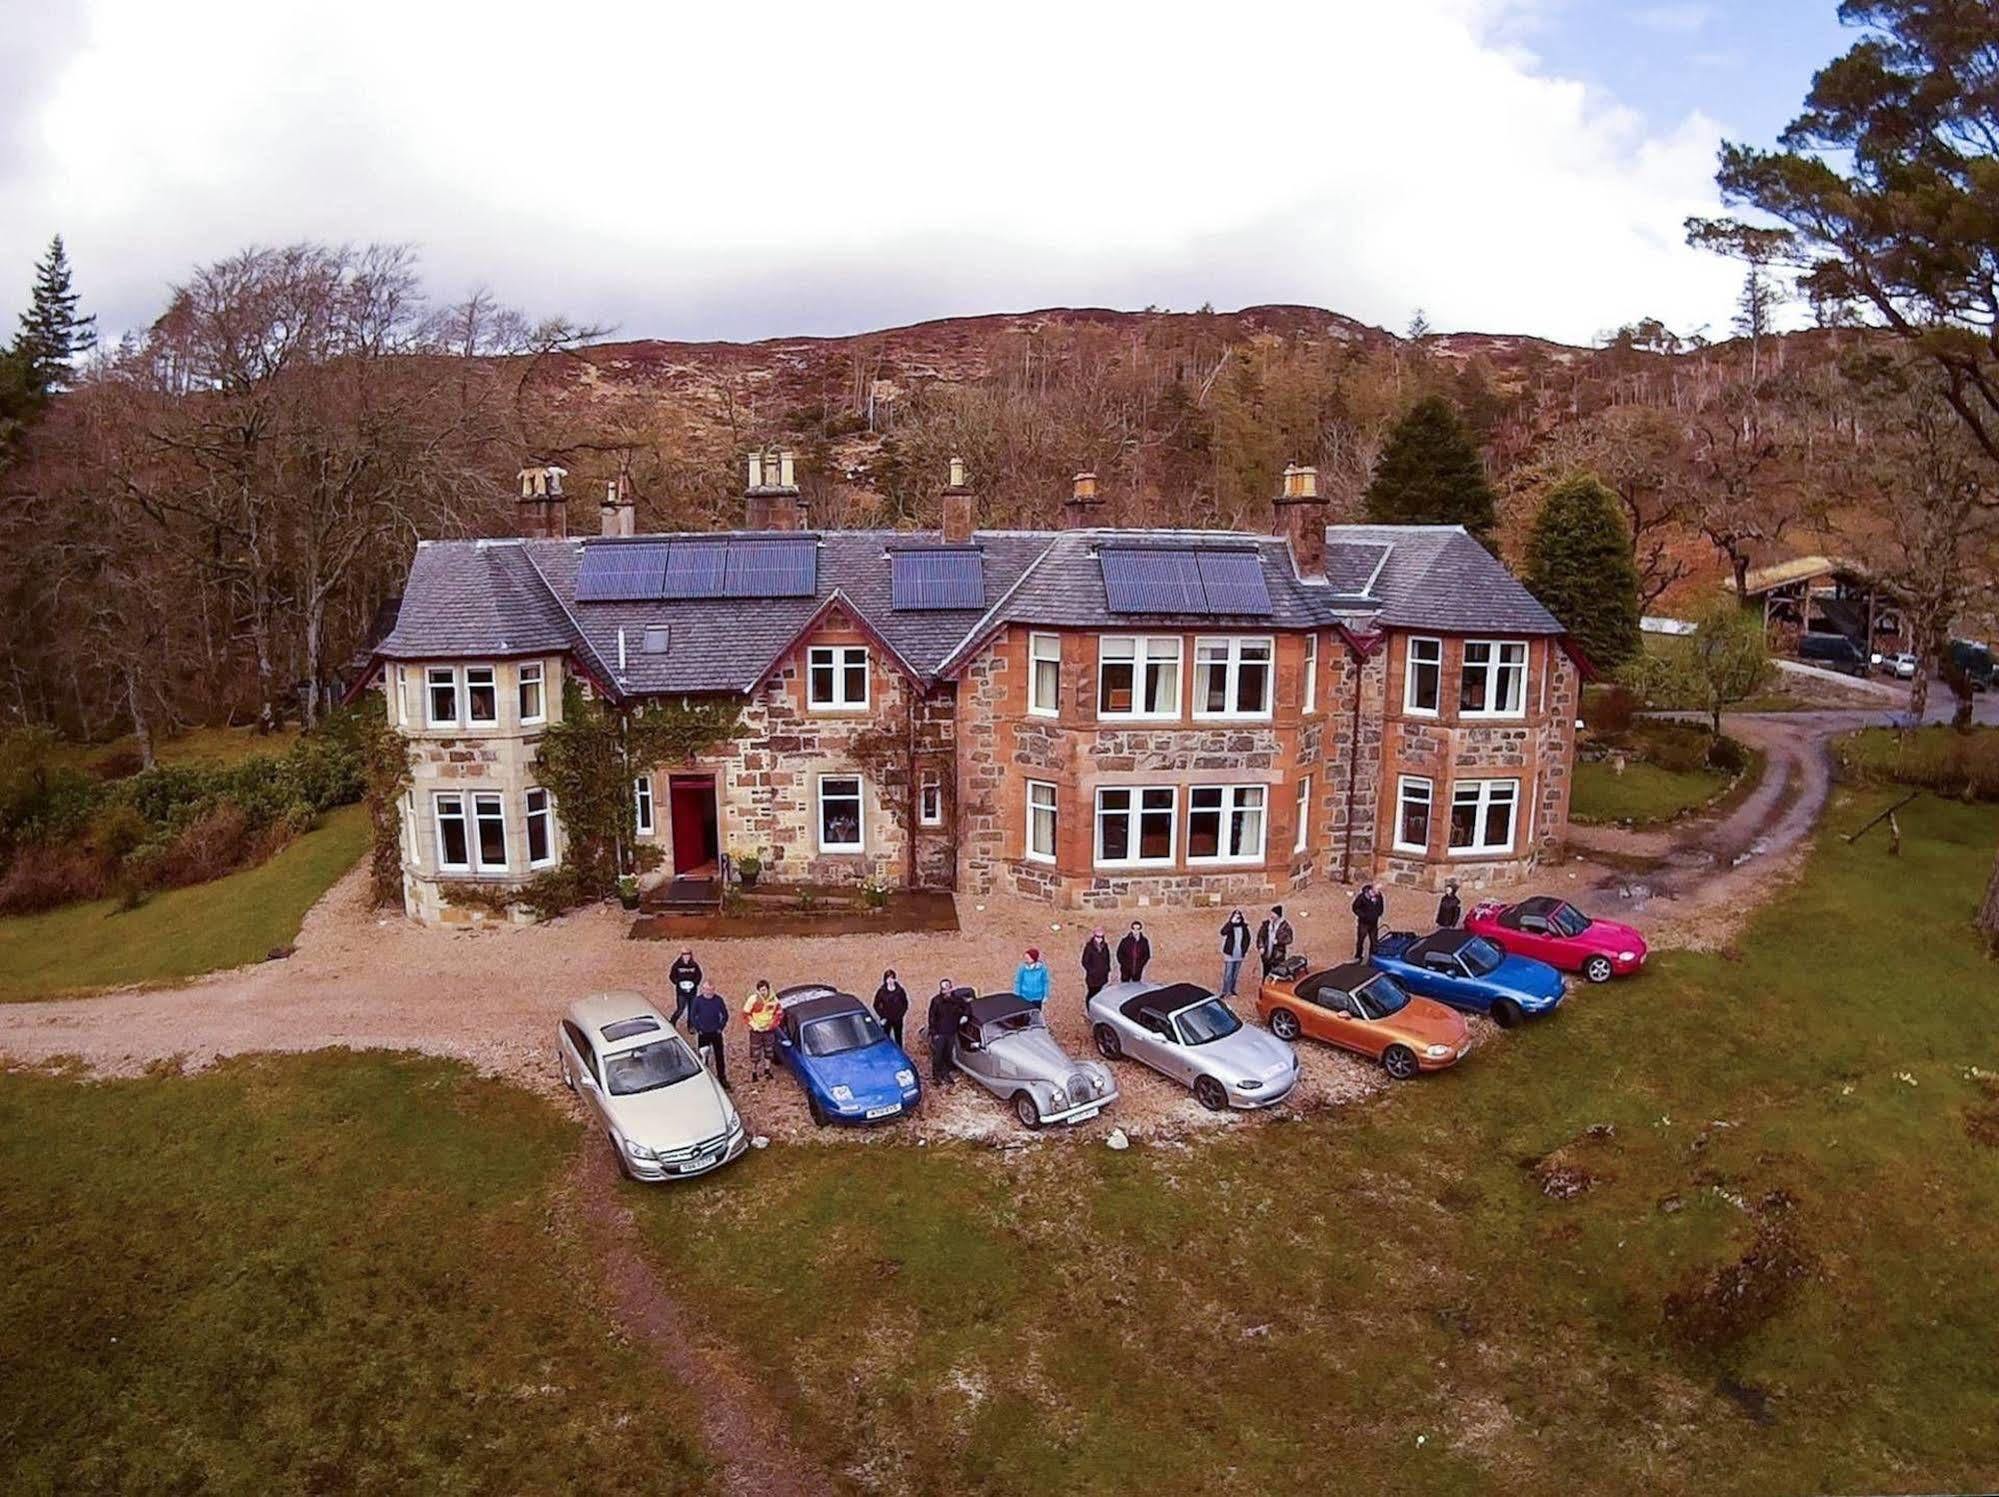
1185	1032
1004	1045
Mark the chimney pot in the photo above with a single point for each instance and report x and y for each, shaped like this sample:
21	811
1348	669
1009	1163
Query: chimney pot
1086	486
957	472
958	516
1301	518
756	470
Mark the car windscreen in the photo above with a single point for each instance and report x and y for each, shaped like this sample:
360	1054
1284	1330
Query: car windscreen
1203	1022
1379	997
841	1033
1481	956
1567	920
648	1068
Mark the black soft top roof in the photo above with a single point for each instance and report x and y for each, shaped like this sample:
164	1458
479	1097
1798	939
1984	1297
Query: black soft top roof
995	1006
825	1006
1166	1001
1540	904
1346	977
1451	941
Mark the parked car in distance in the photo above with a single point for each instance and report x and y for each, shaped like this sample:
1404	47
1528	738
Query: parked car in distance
1368	1012
1833	652
1469	972
850	1070
666	1117
1185	1033
1004	1045
1556	932
1901	665
1974	658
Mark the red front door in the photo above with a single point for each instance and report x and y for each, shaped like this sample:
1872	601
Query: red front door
696	846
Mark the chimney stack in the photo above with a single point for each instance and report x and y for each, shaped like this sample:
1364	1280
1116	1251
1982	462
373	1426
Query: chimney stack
771	500
958	517
618	515
1301	520
544	513
1079	509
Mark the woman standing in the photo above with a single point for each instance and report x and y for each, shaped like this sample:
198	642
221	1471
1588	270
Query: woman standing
1030	978
892	1005
1235	948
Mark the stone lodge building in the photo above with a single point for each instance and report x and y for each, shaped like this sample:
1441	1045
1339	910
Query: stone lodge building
1091	717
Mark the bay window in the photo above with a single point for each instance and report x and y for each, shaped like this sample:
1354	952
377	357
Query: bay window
1135	826
440	697
482	694
1232	678
1482	815
836	677
1494	683
1225	823
454	848
471	839
1412	814
1044	674
1041	821
541	829
840	813
1138	676
1423	677
489	824
533	702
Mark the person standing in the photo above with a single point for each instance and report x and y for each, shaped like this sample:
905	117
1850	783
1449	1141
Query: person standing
1368	906
1096	964
1449	909
762	1011
1235	947
941	1024
685	974
892	1005
1133	952
1030	978
1274	938
710	1016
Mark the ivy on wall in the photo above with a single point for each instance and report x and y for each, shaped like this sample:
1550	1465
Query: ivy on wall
385	773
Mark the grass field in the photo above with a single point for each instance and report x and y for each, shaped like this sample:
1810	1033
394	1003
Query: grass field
179	933
1643	794
206	748
309	1274
1776	1272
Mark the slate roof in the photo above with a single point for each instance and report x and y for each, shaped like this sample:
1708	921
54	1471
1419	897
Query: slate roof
499	598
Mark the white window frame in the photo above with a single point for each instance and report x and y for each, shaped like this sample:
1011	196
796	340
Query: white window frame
1410	665
1311	703
1236	803
482	802
1233	647
1048	805
860	799
490	683
1483	799
539	681
1301	833
642	808
401	682
545	814
1044	649
1495	669
840	659
1403	785
456	800
1135	814
435	676
930	798
1147	651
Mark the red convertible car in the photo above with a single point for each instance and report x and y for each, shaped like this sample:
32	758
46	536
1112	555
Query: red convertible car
1556	932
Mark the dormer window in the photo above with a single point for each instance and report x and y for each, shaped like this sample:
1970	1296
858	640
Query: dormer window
836	678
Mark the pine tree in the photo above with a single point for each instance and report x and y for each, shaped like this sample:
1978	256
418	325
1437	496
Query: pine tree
1579	564
52	336
1430	474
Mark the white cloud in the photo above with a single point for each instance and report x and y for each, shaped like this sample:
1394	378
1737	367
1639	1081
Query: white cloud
747	171
1675	20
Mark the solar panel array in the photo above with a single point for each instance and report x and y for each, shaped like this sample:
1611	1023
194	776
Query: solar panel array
658	571
938	579
1190	580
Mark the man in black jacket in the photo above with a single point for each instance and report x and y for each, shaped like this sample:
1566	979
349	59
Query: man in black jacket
941	1024
1273	938
1096	964
1133	952
685	974
1368	906
892	1005
710	1016
1450	909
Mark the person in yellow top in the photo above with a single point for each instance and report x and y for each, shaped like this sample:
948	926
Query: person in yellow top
761	1011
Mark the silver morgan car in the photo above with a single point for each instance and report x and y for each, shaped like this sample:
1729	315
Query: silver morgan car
1004	1045
1188	1034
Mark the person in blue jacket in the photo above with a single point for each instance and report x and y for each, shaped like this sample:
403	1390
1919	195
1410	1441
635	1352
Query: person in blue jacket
1030	978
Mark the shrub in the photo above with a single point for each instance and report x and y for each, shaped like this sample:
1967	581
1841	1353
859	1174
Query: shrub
116	831
1940	759
553	893
1680	747
1609	709
120	764
1727	755
218	841
42	877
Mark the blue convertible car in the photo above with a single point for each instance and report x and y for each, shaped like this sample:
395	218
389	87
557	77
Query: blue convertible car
851	1071
1467	971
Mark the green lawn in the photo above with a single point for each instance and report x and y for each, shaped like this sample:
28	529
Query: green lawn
206	748
179	933
1643	794
1784	1278
310	1274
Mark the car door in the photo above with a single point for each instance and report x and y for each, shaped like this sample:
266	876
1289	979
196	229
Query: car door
1153	1044
1444	979
588	1071
1532	937
1343	1026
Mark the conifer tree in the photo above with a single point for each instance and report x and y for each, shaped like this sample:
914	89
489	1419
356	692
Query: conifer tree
1430	474
1579	564
52	336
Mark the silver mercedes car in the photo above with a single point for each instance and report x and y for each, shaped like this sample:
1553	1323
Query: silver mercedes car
1185	1032
1004	1045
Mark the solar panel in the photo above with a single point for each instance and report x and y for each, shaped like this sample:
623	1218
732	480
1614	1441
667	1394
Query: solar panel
1152	581
620	574
771	569
1233	581
694	569
937	579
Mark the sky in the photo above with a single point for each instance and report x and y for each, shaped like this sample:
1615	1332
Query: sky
759	170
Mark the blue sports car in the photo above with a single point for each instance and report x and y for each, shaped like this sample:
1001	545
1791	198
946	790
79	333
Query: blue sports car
1465	970
851	1071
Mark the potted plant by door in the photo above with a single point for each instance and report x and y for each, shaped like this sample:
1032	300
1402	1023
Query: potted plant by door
628	892
748	868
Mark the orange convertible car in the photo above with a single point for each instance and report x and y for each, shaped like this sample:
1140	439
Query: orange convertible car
1359	1009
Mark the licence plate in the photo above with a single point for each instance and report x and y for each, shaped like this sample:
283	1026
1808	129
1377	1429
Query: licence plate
884	1112
1084	1117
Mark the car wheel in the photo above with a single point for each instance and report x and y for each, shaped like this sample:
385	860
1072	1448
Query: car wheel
1597	969
618	1153
1400	1062
818	1113
1284	1024
1026	1111
1107	1043
1211	1094
1506	1013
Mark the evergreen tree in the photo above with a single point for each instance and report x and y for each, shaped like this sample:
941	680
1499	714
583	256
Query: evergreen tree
1430	474
1579	564
52	336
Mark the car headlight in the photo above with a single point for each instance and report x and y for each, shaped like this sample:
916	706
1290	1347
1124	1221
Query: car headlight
1060	1097
1438	1052
905	1078
638	1150
843	1094
1249	1086
735	1122
1627	956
